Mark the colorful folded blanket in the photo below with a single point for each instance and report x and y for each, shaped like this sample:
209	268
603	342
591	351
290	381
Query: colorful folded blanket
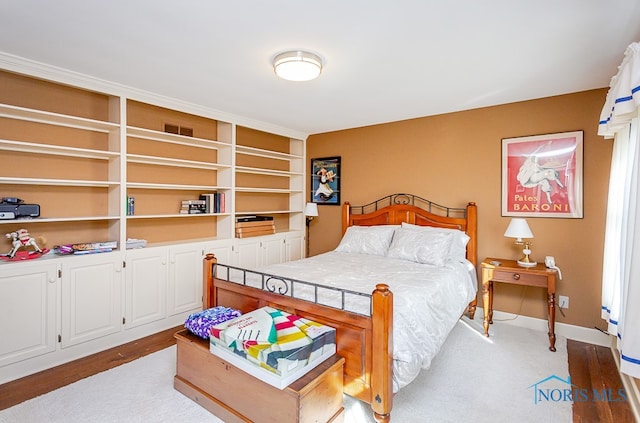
275	340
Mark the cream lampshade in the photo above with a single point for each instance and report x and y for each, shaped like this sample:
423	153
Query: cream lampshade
310	211
519	229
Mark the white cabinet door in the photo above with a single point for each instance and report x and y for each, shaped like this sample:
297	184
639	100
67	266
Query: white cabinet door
273	250
294	246
27	310
248	253
91	297
145	286
185	278
221	249
252	253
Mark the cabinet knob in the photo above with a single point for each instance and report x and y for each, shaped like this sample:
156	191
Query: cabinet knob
516	276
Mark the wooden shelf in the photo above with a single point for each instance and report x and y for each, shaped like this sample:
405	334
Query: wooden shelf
58	150
39	116
259	152
166	137
178	215
57	182
144	185
59	219
271	190
165	161
270	172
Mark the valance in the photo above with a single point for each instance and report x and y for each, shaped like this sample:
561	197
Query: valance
623	98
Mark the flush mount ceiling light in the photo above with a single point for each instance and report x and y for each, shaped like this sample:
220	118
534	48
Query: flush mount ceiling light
297	65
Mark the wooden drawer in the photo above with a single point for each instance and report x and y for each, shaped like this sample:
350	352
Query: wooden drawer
515	277
235	396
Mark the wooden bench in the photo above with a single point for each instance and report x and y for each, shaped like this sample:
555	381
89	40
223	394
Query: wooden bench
234	395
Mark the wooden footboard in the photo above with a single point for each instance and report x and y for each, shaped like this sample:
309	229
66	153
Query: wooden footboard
366	343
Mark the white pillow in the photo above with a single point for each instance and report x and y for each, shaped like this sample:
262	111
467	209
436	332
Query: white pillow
373	240
458	248
420	246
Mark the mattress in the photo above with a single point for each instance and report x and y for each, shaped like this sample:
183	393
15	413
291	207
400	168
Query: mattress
428	300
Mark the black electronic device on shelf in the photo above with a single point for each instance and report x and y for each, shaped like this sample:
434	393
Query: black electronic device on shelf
15	208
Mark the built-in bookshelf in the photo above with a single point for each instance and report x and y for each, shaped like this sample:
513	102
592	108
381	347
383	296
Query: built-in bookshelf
269	175
61	149
83	156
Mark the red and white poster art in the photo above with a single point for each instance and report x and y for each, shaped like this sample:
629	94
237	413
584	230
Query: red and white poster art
542	175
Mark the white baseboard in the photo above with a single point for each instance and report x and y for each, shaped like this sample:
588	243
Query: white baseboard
577	333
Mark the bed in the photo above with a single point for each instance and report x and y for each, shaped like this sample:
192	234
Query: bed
364	320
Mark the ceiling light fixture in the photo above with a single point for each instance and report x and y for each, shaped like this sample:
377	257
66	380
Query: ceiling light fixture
297	65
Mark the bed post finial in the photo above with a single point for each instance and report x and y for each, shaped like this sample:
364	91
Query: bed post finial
472	231
209	263
346	213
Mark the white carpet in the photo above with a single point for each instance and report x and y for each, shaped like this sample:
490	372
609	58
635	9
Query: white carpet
472	379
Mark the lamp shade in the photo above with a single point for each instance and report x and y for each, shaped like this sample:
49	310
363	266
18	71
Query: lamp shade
518	228
311	209
297	65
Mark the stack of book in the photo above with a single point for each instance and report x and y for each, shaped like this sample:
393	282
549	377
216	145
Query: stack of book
193	207
248	226
136	243
87	248
214	202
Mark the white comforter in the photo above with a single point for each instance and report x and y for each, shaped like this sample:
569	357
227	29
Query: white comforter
428	300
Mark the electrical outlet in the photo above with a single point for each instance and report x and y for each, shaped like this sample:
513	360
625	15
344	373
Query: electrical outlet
563	301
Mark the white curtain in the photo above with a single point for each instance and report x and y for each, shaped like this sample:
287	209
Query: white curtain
621	273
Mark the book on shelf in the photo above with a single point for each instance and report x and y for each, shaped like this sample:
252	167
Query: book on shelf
243	234
253	218
136	243
94	251
214	202
254	223
193	208
209	201
270	227
86	246
193	202
223	203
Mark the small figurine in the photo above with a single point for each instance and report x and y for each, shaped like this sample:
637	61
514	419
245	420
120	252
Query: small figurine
21	238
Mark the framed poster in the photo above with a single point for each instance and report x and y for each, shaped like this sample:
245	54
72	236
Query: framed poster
542	175
325	180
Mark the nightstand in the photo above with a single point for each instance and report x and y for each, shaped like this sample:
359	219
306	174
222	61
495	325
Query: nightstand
508	271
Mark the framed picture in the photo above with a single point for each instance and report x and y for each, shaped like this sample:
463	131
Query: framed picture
542	175
325	180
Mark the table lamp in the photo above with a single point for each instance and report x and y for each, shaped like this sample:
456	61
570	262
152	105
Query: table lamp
518	229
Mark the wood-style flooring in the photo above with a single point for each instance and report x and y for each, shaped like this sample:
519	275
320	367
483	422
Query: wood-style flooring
593	367
590	366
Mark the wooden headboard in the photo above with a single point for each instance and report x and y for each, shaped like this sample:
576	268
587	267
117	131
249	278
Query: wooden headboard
397	208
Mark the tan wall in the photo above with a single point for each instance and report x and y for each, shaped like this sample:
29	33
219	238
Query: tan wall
455	158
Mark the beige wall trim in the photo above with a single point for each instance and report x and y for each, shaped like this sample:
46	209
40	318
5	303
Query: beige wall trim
577	333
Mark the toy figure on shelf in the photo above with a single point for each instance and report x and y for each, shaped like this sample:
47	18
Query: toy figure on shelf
21	238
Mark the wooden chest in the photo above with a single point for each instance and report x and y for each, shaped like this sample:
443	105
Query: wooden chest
235	396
